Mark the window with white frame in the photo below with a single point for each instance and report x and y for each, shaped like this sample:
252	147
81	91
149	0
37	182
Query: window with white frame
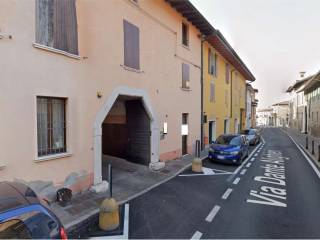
51	125
212	63
56	25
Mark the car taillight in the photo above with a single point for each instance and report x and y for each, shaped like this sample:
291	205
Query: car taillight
63	234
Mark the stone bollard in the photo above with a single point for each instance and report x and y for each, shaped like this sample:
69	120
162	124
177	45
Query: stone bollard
109	215
312	147
307	143
197	165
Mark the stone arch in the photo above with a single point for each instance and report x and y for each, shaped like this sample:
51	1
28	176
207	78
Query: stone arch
155	131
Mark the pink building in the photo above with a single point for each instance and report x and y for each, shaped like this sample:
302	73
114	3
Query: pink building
87	78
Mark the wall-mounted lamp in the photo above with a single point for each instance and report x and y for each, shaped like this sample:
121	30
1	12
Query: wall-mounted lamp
99	94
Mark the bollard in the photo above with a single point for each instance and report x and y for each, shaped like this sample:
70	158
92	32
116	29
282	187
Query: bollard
312	147
318	153
109	215
307	143
197	162
197	165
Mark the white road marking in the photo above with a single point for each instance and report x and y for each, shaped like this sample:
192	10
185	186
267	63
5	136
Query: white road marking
227	193
248	165
239	168
243	171
315	169
256	155
213	213
236	181
197	235
252	159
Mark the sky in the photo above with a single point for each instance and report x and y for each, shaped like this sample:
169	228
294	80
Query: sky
276	39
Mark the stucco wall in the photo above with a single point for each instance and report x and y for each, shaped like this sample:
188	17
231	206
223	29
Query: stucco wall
27	72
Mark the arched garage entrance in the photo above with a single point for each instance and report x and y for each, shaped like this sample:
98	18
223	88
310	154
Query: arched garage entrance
133	110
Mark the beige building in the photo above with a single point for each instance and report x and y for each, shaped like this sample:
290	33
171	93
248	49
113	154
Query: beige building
81	79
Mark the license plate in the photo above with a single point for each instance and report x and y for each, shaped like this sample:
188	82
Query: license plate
220	157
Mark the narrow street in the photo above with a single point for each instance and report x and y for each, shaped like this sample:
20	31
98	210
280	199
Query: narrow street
274	194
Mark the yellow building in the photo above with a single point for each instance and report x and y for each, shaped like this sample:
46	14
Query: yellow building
224	88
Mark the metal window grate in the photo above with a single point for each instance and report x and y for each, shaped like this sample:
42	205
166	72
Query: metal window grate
51	125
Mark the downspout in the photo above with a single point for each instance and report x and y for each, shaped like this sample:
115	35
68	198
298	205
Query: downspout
201	83
231	80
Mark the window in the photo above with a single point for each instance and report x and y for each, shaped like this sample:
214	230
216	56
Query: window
51	125
56	25
14	229
185	34
212	92
226	98
185	118
212	63
227	73
185	76
131	45
225	126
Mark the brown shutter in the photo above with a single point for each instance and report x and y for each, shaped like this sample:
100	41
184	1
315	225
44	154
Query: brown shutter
131	45
185	75
65	26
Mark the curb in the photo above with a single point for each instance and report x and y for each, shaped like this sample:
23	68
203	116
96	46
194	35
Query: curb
314	161
71	225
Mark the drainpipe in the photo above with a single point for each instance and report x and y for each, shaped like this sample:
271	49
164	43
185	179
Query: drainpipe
201	83
231	80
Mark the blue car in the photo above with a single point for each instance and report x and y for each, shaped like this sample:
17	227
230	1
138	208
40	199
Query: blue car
229	148
22	216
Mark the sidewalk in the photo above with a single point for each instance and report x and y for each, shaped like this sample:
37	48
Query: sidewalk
300	138
86	204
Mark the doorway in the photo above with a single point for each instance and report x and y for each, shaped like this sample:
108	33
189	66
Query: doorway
126	134
212	131
184	129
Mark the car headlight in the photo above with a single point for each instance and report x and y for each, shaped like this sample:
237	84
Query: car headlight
234	153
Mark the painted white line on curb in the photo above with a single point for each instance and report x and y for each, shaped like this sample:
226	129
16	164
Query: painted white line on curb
213	213
227	193
236	181
248	165
197	235
315	169
243	171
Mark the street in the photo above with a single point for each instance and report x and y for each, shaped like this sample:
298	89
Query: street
274	194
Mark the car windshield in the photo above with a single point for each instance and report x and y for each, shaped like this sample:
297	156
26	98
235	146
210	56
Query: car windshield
229	140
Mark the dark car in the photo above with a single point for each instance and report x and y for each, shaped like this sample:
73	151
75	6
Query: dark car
229	148
23	216
253	136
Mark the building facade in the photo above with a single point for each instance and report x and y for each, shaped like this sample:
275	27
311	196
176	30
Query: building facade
224	98
103	69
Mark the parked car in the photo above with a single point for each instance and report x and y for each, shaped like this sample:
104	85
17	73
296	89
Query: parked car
22	215
229	148
253	135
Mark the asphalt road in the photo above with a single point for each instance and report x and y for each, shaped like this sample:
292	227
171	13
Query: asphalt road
274	194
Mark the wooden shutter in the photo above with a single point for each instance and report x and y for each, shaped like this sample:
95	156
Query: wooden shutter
131	45
209	61
65	26
185	75
212	91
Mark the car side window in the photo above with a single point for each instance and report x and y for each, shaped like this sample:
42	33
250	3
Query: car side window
14	229
30	225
